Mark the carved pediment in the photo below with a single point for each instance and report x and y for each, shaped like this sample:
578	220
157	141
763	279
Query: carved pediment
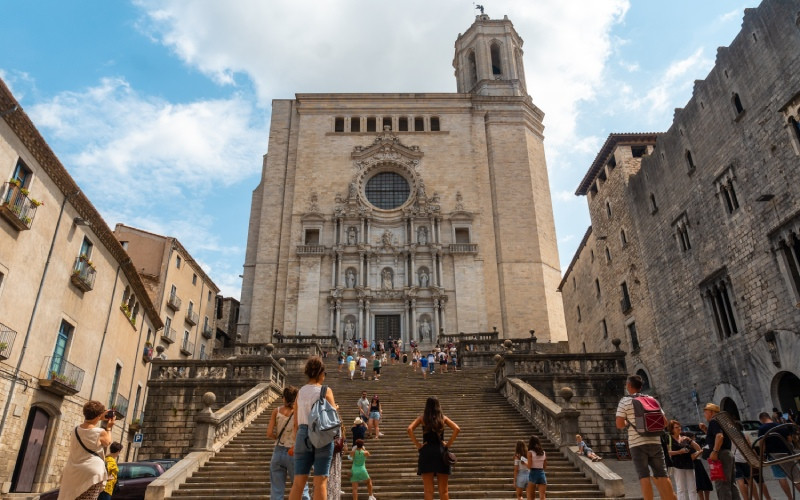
386	148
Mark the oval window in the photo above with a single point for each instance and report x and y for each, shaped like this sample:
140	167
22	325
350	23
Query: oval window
387	190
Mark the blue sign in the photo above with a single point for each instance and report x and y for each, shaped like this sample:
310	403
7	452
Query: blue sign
137	440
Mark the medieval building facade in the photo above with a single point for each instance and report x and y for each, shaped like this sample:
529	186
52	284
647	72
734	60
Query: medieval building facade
695	237
408	215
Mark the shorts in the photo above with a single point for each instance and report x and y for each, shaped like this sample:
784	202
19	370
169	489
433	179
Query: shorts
363	369
651	455
742	470
341	361
778	472
536	476
442	362
377	370
374	415
306	456
522	478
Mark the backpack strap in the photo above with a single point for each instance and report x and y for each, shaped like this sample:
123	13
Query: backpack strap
323	390
84	446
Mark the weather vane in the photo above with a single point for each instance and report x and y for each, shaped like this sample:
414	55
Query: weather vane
479	7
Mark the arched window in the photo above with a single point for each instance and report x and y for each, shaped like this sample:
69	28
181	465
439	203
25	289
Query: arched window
796	128
496	67
645	380
473	69
689	160
737	104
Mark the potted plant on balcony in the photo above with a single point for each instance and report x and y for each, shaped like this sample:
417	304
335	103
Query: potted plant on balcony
135	425
36	203
15	182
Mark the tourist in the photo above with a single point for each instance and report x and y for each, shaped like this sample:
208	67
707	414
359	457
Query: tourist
743	477
775	445
720	450
583	449
362	366
680	450
334	482
432	362
701	479
340	359
375	414
430	463
376	367
351	366
423	363
113	471
520	468
84	475
359	430
537	462
281	429
305	455
405	358
358	472
646	451
454	358
363	406
443	361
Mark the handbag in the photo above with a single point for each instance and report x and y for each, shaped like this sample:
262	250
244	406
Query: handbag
338	445
323	421
715	468
448	457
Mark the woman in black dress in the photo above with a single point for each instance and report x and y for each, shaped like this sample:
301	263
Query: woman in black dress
430	463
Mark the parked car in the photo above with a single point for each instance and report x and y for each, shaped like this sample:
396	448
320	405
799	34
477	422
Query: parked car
133	478
750	429
699	435
166	463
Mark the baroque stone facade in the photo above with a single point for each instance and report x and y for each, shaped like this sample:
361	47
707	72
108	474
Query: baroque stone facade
712	235
408	215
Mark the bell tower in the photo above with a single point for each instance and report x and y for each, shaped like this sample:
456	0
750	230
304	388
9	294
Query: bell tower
488	59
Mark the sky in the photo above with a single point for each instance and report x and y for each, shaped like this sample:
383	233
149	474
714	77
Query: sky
160	109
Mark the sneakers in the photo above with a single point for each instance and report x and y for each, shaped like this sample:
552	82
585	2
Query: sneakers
372	497
380	434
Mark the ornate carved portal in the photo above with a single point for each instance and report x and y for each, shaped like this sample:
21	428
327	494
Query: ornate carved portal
387	256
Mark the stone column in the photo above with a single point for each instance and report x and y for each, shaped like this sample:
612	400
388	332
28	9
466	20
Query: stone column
413	275
408	321
363	236
413	238
361	318
436	316
439	256
442	307
338	315
331	310
333	270
413	329
361	269
368	322
366	271
438	229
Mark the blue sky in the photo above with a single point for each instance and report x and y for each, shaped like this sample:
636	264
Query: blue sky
160	108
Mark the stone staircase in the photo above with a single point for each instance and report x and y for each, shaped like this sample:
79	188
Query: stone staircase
485	446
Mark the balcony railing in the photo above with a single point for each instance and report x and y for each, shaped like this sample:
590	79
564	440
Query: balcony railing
118	403
174	302
191	317
168	335
310	249
463	248
208	332
83	274
187	348
7	336
17	207
61	377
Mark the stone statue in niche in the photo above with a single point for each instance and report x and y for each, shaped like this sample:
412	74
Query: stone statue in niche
386	280
353	190
386	238
349	329
422	235
421	190
425	329
350	278
423	278
351	236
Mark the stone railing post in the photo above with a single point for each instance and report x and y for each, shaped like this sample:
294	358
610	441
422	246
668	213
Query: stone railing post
205	425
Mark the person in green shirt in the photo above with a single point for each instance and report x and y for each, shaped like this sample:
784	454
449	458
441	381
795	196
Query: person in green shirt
358	472
376	367
113	471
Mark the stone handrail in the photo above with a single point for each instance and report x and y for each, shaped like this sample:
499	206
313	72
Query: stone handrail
458	337
192	370
278	349
328	340
561	364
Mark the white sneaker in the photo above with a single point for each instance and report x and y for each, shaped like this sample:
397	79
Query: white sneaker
380	434
372	497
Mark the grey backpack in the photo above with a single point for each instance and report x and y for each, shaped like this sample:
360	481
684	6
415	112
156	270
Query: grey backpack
323	421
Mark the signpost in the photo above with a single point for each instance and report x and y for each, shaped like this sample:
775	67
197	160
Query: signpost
137	440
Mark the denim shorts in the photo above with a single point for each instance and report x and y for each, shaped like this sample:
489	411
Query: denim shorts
522	478
778	472
305	455
374	415
536	476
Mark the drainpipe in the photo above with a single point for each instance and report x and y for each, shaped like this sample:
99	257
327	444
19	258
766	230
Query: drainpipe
136	355
105	330
33	312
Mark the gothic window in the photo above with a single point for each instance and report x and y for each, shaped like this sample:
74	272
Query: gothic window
371	124
645	380
717	295
795	126
681	228
497	68
338	124
434	124
726	189
402	124
473	69
786	244
387	190
419	124
355	124
625	303
689	161
737	104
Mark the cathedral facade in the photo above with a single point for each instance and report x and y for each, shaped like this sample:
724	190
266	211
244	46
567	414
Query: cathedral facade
408	215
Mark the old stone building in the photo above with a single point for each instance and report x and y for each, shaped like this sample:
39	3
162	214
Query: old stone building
227	319
74	315
408	215
702	229
183	293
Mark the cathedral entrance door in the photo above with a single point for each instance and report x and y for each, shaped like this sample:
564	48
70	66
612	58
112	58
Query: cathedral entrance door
387	325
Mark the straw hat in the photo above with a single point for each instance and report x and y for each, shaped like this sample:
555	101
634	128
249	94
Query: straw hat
712	407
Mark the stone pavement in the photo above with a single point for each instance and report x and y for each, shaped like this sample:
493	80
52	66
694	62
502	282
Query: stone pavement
625	469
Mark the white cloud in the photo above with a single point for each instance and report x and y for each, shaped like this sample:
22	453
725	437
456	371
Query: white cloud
174	151
731	16
565	196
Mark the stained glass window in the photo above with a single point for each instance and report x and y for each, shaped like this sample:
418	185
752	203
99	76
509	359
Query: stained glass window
387	190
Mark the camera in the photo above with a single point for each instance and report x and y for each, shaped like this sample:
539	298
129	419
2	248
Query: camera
109	414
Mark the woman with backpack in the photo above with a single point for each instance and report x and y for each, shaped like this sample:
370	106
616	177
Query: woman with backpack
431	463
305	454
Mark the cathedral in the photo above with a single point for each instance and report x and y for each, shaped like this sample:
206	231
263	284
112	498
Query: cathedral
408	215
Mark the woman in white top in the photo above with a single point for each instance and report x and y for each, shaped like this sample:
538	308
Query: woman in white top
84	475
305	455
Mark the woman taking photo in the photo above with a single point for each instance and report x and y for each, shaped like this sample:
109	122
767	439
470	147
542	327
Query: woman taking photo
430	462
681	452
305	455
85	474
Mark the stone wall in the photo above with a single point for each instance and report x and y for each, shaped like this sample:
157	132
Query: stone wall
175	392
